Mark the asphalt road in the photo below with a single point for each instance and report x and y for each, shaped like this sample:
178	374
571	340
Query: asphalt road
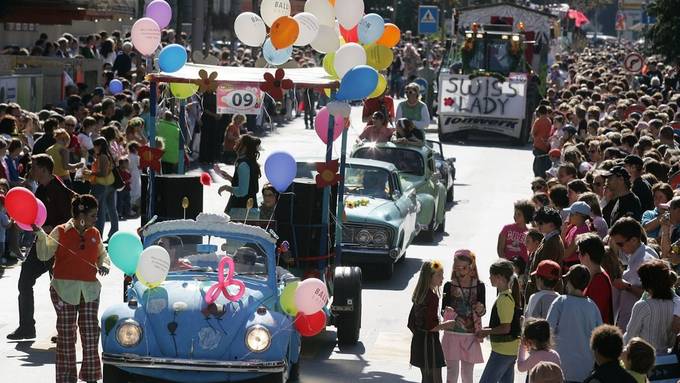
490	177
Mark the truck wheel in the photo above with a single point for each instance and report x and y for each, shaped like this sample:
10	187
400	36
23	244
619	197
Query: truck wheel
113	374
346	289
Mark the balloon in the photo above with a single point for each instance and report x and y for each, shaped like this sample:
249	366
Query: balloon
349	35
273	9
328	60
311	296
309	27
379	56
287	299
390	36
223	284
172	58
275	56
160	12
280	169
339	109
357	84
115	86
310	325
206	180
124	250
153	266
327	40
322	10
371	28
349	12
250	29
347	57
40	218
284	32
321	125
21	205
380	88
182	91
146	35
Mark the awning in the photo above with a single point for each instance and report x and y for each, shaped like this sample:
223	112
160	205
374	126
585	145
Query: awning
302	77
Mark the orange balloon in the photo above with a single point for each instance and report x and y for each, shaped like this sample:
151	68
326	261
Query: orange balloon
332	2
284	32
390	36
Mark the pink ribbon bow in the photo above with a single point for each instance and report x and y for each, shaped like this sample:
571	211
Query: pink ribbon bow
221	286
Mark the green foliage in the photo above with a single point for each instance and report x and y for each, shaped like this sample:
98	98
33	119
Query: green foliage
664	34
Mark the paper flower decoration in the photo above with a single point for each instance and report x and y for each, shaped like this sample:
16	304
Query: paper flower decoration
448	101
150	158
275	84
328	173
350	204
207	82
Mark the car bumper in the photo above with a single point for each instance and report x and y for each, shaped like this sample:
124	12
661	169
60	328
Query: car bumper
361	255
148	362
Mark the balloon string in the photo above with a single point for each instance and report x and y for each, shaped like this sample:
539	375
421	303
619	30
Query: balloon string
72	252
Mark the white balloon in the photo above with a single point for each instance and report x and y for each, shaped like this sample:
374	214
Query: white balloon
322	9
347	57
349	12
339	108
309	27
273	9
250	29
153	266
327	40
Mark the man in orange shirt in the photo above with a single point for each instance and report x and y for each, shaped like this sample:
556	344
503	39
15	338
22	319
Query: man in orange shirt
540	131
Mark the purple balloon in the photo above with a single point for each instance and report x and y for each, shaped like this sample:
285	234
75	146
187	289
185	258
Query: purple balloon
160	11
280	169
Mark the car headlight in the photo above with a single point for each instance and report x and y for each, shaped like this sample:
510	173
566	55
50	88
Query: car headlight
129	333
363	237
380	237
258	339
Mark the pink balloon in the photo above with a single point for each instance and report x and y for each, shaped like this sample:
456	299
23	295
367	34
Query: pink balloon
321	126
311	296
160	11
146	35
40	218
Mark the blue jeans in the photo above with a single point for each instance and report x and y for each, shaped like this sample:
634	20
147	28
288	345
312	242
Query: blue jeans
106	197
499	369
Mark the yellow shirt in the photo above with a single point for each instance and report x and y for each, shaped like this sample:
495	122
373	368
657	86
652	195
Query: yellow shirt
59	168
70	291
506	310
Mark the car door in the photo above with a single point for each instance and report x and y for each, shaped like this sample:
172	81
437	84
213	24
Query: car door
408	208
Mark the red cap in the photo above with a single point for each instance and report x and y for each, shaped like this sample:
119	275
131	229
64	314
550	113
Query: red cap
554	153
548	269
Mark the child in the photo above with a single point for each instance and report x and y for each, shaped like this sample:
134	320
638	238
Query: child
591	253
135	176
532	241
579	213
555	156
231	135
123	195
607	345
511	238
638	358
546	372
84	137
547	275
463	302
536	340
504	327
573	317
423	321
4	225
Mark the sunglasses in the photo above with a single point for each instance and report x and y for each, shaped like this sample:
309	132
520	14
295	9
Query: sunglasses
411	92
267	194
535	187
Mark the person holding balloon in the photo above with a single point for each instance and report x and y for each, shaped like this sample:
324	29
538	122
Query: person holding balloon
78	252
244	182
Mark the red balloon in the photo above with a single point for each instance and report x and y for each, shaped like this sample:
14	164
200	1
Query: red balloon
21	205
310	325
206	180
350	35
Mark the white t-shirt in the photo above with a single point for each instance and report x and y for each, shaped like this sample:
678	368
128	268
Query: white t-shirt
85	141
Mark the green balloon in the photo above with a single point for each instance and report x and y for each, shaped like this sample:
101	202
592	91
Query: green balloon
182	90
328	60
124	250
287	299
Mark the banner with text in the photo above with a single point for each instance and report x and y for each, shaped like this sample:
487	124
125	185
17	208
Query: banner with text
232	99
483	96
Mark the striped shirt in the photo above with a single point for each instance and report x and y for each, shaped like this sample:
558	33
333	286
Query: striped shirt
651	320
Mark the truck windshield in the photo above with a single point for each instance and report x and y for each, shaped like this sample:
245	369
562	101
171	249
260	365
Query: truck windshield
492	53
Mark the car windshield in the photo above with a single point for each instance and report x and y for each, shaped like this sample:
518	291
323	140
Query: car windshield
406	161
203	254
367	181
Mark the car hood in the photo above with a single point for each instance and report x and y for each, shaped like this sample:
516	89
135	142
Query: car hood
371	210
199	333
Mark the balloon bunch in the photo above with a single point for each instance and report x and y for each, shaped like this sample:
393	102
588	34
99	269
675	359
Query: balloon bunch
150	265
25	209
305	301
357	46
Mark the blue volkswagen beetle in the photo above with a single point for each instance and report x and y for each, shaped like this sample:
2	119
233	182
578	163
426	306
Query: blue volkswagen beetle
170	333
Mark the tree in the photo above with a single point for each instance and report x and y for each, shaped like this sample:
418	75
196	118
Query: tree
663	35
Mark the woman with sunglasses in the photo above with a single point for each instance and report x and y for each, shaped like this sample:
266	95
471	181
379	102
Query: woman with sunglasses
414	109
79	255
376	130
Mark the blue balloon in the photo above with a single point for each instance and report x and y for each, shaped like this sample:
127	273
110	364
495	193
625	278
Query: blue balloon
275	56
124	250
357	84
115	86
172	58
280	169
371	28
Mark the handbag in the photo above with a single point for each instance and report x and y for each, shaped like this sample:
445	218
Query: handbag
118	183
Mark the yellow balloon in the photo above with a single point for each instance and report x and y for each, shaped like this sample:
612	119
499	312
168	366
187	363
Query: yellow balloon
380	88
328	60
327	91
182	91
378	56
